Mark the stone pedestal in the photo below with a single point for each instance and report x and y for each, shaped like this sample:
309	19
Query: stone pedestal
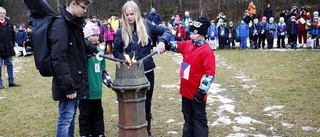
131	86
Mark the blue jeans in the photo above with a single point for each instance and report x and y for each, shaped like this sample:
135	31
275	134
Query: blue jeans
67	113
8	61
195	118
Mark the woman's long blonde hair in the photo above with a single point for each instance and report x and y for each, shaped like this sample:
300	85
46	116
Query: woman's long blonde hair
141	29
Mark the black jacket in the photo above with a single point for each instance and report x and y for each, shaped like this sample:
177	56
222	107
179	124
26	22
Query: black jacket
268	13
7	39
68	57
292	28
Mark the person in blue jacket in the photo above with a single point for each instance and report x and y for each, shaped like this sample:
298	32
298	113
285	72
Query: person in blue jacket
134	38
243	33
271	28
281	33
212	34
315	31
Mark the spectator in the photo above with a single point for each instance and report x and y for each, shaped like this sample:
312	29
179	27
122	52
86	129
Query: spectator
281	33
220	17
247	18
21	37
28	45
231	34
293	31
271	28
254	33
268	12
108	39
69	62
222	35
172	20
7	40
243	33
114	22
181	33
212	33
177	20
126	42
315	31
262	32
302	18
284	14
293	12
252	9
186	20
154	17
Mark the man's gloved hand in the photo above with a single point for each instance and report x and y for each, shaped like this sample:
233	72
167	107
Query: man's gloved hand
199	96
106	79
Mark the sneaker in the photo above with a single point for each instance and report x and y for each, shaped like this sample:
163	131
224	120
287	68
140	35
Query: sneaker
13	85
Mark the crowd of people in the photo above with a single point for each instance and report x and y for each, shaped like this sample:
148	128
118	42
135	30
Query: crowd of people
297	25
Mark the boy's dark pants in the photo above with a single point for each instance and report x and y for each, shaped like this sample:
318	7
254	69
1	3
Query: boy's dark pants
262	39
91	118
195	118
281	38
292	40
222	42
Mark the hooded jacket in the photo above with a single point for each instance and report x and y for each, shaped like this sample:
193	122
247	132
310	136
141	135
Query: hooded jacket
155	17
68	57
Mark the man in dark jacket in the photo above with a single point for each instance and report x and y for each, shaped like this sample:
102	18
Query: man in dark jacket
69	62
7	41
154	17
268	12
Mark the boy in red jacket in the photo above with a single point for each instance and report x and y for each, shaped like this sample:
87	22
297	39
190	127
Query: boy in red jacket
197	72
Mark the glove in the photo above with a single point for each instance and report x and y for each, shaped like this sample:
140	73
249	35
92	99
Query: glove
106	79
199	96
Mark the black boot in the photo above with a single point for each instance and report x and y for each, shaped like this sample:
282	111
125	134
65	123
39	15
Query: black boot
149	118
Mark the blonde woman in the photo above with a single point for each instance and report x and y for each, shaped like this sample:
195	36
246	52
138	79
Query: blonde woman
134	37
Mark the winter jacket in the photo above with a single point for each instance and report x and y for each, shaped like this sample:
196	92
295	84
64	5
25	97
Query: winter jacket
271	28
222	31
21	37
268	12
302	26
154	17
95	78
252	9
115	24
137	49
263	28
181	33
293	28
68	57
281	28
212	32
109	35
231	33
185	21
7	39
243	30
315	29
202	62
255	30
247	19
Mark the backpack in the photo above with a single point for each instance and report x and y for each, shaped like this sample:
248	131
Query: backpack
41	17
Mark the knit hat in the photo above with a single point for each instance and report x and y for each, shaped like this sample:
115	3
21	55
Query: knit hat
264	18
200	26
90	29
271	19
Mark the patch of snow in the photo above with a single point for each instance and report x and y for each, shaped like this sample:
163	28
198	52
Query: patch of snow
287	125
273	107
170	86
172	132
224	120
171	98
307	128
170	121
245	120
238	129
2	98
274	114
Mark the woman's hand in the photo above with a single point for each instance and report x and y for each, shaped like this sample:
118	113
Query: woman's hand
161	47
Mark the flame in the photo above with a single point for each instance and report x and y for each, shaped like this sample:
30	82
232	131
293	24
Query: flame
130	61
